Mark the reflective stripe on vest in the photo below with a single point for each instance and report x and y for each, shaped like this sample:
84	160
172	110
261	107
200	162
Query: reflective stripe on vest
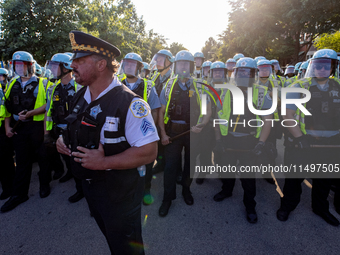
168	92
225	114
155	76
147	89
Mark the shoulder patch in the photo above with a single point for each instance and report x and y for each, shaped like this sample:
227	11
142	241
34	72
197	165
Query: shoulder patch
146	127
139	109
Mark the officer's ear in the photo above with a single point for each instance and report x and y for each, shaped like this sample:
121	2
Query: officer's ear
101	64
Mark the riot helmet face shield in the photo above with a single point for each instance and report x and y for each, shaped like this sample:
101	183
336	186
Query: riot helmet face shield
3	79
182	69
130	68
144	73
218	75
54	68
264	71
290	72
159	59
230	66
321	68
244	77
277	67
23	68
206	71
198	62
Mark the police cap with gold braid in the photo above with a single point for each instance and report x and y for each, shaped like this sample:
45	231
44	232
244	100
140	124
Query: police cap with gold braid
84	45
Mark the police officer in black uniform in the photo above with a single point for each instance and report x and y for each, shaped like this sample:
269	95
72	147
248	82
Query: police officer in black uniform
110	133
25	105
59	100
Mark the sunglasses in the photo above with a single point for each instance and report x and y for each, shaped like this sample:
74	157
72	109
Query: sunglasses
327	67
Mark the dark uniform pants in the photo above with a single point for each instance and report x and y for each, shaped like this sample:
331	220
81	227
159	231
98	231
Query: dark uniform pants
27	144
207	146
120	222
292	189
7	170
231	156
173	162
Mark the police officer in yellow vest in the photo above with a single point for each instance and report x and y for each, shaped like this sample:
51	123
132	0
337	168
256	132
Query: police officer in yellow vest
25	108
162	62
6	145
237	140
180	113
59	98
132	65
321	129
276	72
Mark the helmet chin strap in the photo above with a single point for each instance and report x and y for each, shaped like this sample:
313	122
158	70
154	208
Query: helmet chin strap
161	70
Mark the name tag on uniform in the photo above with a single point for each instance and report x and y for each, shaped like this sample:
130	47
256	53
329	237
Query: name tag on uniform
111	124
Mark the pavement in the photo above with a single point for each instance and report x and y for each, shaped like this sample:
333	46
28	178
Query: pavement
54	226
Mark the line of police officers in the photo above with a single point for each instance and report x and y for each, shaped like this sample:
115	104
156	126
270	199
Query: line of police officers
33	112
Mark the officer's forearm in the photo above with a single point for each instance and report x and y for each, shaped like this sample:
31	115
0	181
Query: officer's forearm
295	131
7	123
161	125
154	113
45	118
38	111
132	157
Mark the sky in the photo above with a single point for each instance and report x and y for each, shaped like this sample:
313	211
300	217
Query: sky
188	22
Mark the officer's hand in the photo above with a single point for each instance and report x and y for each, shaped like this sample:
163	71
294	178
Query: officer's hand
302	142
48	140
62	148
165	139
197	129
23	115
92	159
219	147
259	148
9	132
271	149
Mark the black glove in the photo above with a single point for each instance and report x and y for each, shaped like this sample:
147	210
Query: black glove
259	148
219	147
271	150
302	142
48	140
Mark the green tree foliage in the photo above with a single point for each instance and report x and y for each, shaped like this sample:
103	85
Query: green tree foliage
328	41
42	27
276	29
155	43
210	49
116	22
176	47
39	27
